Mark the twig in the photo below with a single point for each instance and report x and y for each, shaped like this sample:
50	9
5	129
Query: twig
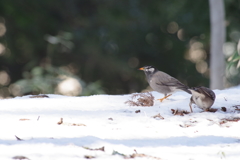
19	139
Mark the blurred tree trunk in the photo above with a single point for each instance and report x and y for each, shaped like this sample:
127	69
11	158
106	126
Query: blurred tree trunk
218	33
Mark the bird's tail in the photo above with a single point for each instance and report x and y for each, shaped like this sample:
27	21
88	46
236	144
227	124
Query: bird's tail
185	88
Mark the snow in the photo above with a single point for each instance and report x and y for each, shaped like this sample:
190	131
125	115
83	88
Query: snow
106	121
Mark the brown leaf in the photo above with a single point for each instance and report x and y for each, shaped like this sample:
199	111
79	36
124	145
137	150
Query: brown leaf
158	116
185	125
20	157
212	110
39	96
225	120
179	112
222	122
69	124
137	111
143	99
24	119
95	149
60	122
77	124
237	107
135	155
89	157
224	109
236	119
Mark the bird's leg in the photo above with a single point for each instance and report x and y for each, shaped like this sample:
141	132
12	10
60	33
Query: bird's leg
190	105
165	97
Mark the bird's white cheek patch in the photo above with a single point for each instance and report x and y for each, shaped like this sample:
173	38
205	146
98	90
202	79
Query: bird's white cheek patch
151	69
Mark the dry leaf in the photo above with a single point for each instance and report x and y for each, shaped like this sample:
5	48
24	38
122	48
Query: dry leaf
237	107
137	111
225	120
89	157
60	122
77	124
224	109
185	125
179	112
135	155
39	96
212	110
143	99
158	116
95	149
69	124
19	139
236	119
24	119
20	157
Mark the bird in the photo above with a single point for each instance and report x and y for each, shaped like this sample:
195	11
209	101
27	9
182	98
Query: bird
162	82
203	97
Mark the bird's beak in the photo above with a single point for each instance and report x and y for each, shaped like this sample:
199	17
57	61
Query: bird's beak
141	69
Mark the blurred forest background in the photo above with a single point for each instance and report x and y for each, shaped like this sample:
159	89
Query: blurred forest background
84	47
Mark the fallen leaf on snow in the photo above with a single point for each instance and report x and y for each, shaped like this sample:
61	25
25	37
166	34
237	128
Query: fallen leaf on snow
24	119
235	119
70	124
185	125
137	111
224	109
60	122
19	139
89	157
212	110
20	157
76	124
179	112
39	96
143	99
135	155
95	149
158	116
237	107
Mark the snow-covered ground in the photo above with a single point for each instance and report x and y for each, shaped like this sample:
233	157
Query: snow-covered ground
92	122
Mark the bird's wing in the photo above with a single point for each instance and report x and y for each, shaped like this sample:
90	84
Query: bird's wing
162	78
207	92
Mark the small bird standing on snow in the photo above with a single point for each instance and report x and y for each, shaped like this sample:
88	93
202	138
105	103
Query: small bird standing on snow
162	82
203	97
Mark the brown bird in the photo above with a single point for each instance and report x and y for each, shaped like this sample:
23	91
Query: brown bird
162	82
203	97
